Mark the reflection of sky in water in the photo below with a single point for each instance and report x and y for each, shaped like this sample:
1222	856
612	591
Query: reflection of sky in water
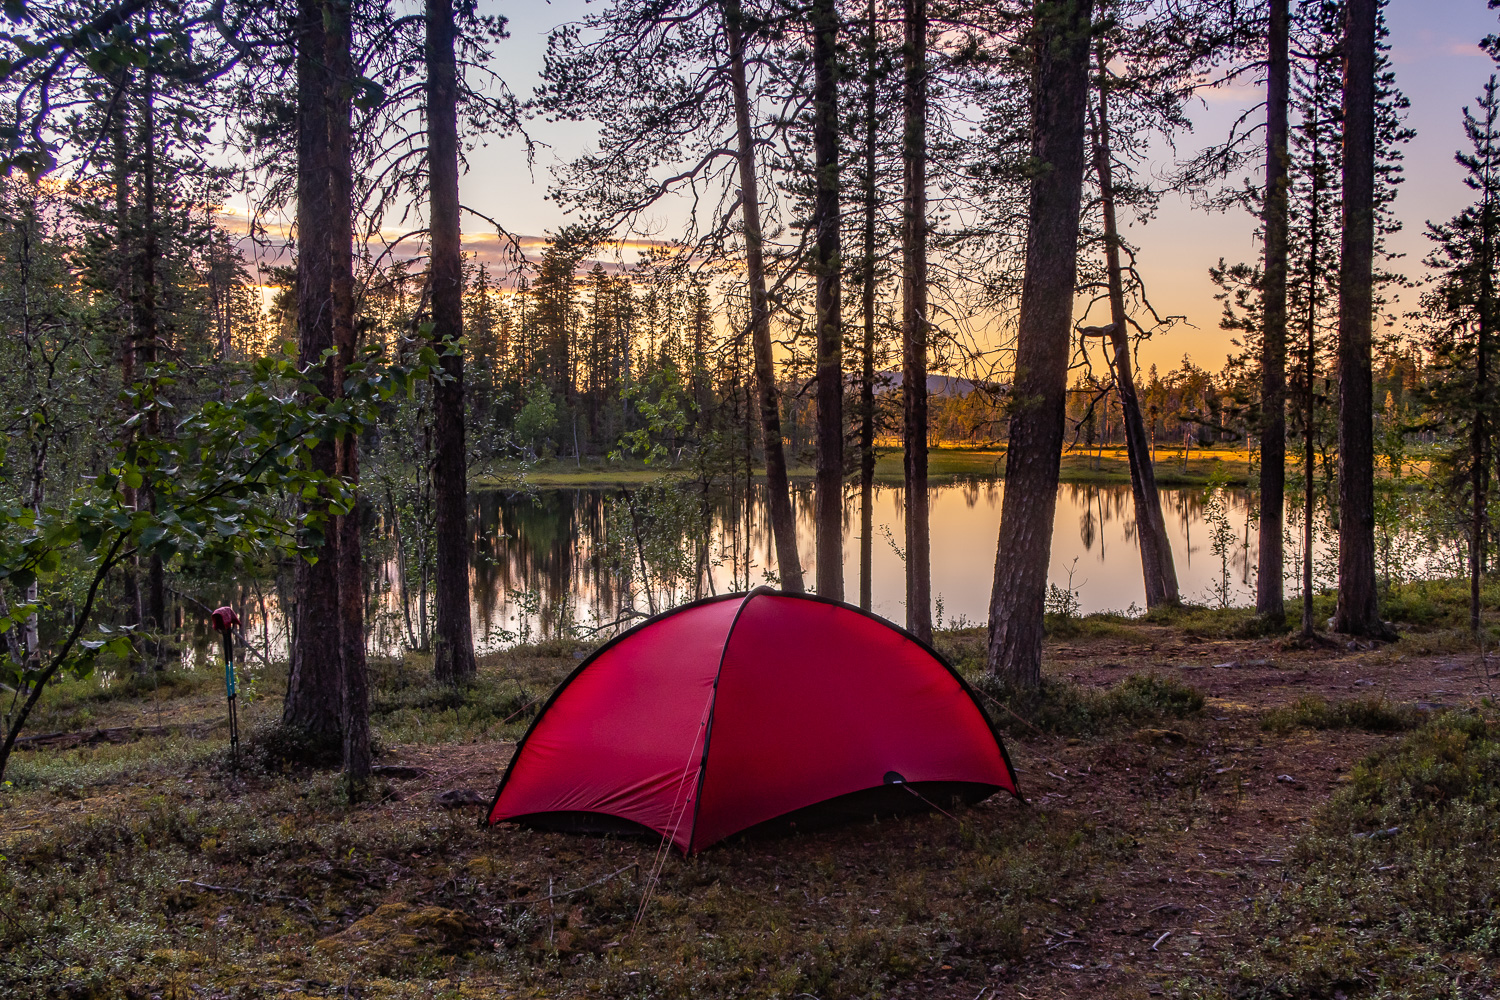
539	565
1093	525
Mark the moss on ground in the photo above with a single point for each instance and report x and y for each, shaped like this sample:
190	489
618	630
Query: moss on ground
1393	891
155	868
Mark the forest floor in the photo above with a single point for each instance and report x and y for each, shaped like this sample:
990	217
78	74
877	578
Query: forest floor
1207	813
1103	467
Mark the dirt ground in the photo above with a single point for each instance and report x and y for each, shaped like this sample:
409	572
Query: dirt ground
1168	836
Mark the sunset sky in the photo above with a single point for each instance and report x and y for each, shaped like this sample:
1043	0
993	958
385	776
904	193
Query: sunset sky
1438	66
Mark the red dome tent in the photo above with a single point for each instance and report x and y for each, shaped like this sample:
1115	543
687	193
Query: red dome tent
734	711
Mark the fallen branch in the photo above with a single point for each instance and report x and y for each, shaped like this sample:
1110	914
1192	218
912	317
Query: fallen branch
116	734
252	893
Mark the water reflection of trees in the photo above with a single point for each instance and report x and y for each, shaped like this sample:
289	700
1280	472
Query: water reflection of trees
532	554
1100	506
549	562
543	564
1103	505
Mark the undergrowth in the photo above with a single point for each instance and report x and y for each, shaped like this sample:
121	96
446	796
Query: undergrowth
408	706
1393	892
280	882
1439	604
1057	706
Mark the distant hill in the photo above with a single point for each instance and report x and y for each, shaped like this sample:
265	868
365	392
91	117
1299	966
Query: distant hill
937	385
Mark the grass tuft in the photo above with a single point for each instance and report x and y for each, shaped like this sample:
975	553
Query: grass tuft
1374	715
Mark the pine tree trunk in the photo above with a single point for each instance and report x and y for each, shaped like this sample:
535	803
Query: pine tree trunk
1479	444
826	265
867	348
355	714
1314	278
124	286
914	322
1357	611
1479	447
702	384
314	686
778	488
453	651
1059	94
1270	601
1157	568
148	335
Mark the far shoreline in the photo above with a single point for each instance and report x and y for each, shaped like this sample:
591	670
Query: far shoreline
1095	467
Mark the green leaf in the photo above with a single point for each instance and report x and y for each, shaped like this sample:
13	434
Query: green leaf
368	94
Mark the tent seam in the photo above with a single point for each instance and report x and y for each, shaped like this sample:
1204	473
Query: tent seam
713	707
487	821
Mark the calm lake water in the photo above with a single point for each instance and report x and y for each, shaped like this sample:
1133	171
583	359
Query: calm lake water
544	563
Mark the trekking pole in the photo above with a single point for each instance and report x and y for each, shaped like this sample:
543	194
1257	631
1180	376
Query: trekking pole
224	621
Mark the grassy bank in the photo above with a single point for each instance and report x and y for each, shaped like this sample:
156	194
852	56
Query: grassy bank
944	464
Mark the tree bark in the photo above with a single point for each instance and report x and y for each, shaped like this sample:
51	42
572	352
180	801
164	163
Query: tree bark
1270	602
826	265
1059	46
778	489
355	713
1157	568
914	321
453	652
314	696
1357	611
867	347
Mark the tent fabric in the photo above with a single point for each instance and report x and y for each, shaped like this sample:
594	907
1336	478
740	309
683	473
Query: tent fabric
726	714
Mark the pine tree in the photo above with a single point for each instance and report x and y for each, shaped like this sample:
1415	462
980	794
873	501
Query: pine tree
914	320
1270	602
1463	304
453	653
1060	54
827	268
1357	611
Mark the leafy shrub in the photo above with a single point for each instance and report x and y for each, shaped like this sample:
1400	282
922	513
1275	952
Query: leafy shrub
277	748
